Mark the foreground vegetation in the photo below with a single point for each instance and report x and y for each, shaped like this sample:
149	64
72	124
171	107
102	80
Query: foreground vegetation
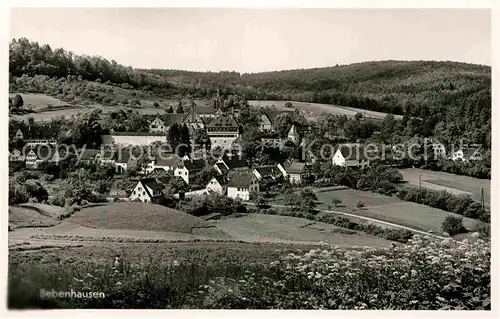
422	274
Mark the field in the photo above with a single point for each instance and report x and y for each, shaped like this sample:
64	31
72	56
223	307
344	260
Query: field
351	197
452	183
150	223
25	216
390	209
38	101
47	116
273	228
314	109
141	217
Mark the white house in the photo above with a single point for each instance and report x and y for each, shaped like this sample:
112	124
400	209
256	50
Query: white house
40	154
157	126
351	155
16	156
169	163
147	190
293	135
188	169
265	123
217	184
223	131
241	184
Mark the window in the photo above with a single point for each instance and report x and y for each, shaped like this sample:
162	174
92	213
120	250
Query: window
144	193
185	173
134	192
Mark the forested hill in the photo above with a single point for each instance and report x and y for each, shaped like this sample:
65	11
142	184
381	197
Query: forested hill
30	58
452	99
390	86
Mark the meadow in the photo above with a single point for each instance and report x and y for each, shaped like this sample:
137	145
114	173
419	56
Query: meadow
38	101
286	229
422	274
318	108
389	209
452	183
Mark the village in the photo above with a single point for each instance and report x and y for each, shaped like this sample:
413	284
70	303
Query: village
235	177
234	158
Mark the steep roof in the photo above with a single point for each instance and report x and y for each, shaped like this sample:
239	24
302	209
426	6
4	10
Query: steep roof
293	130
221	179
205	110
194	165
296	168
233	162
151	117
171	161
224	121
151	183
264	117
272	114
171	118
267	170
352	151
240	179
222	168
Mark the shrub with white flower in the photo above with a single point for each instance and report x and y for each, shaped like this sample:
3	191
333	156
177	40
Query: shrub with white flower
422	274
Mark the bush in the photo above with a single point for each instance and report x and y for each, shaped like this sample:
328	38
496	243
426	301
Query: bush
453	225
483	229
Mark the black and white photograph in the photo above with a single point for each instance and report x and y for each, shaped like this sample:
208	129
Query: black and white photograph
249	158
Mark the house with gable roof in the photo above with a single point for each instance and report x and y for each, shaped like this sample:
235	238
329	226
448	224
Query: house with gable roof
297	172
45	134
227	163
189	168
265	123
222	131
267	171
147	190
241	184
218	184
351	155
158	126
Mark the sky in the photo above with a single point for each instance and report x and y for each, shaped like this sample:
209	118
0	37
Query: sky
256	40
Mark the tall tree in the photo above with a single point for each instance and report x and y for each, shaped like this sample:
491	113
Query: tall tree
18	101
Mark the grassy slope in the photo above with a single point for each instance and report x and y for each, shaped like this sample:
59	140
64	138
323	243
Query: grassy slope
138	216
463	183
273	228
32	215
40	101
390	209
